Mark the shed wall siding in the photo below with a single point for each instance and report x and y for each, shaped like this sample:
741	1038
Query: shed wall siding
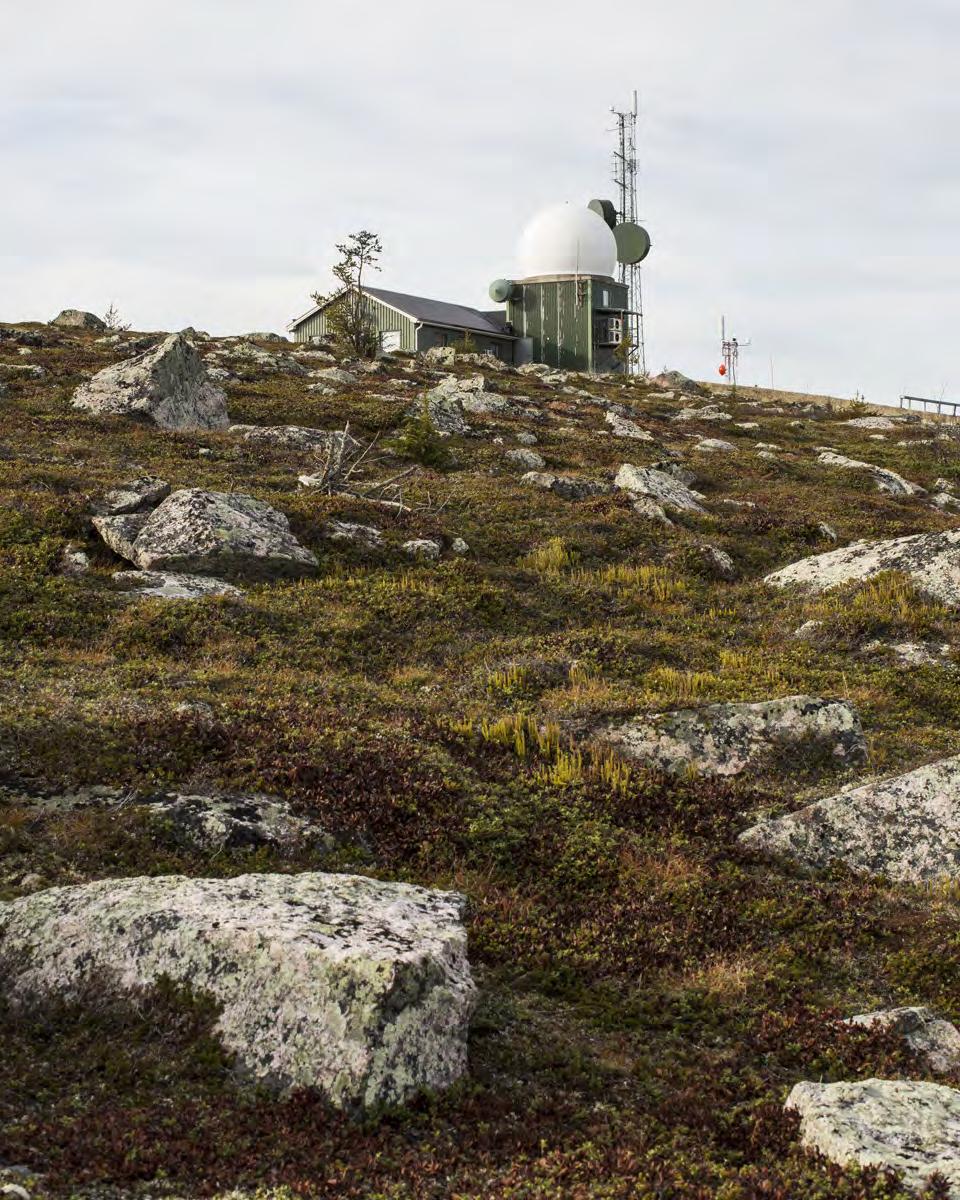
385	320
559	317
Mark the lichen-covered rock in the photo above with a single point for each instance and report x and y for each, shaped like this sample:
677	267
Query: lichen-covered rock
134	496
167	385
935	1040
567	487
445	410
336	377
718	563
74	560
481	403
424	548
358	988
75	318
676	381
529	460
199	821
444	356
296	437
728	739
121	532
174	585
887	481
714	446
906	828
913	654
871	423
932	560
898	1125
651	511
349	531
623	427
200	532
709	412
659	486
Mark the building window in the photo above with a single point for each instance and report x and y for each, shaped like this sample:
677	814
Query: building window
390	341
605	298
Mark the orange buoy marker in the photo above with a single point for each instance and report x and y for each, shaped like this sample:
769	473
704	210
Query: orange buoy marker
723	368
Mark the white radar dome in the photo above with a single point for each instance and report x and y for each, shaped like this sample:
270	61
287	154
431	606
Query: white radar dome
567	239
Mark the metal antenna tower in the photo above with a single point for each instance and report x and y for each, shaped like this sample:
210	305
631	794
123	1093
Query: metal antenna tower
625	174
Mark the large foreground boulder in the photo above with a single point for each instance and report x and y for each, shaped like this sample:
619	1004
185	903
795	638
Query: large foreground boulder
906	828
358	988
167	385
932	560
728	739
892	1124
194	531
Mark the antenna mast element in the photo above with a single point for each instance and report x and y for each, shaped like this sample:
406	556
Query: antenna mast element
625	174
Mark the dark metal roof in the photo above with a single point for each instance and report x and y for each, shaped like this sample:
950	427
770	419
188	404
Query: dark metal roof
495	316
438	312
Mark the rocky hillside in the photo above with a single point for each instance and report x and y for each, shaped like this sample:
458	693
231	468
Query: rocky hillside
427	779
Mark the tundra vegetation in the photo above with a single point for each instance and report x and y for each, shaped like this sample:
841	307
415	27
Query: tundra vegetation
650	990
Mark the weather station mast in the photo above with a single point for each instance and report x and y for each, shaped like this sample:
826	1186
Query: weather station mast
730	348
625	176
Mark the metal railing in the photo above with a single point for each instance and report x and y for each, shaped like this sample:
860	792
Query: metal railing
937	406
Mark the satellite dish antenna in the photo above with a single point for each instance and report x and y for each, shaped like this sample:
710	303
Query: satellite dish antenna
501	290
633	243
605	209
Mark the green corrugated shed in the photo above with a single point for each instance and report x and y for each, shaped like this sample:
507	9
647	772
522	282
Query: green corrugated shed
385	320
563	316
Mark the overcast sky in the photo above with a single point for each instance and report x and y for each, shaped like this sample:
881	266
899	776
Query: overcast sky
195	162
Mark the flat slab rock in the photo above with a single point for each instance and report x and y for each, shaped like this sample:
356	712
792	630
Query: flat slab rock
201	821
296	437
887	481
935	1040
932	560
172	585
133	496
659	486
167	385
728	739
200	532
358	988
623	427
900	1125
567	487
906	828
